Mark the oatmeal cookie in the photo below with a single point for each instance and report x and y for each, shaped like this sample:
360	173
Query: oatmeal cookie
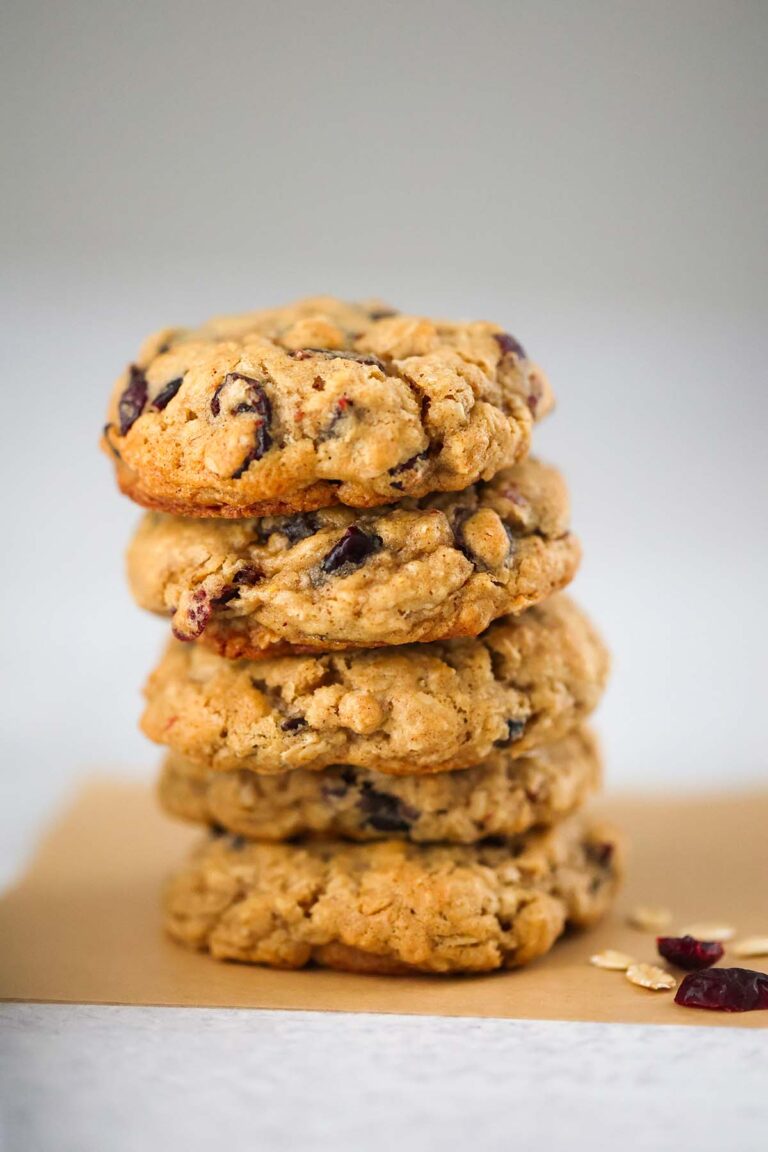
441	567
319	403
504	796
526	681
393	907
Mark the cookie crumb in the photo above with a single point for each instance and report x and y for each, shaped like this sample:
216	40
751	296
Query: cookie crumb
750	946
651	918
612	960
650	976
710	930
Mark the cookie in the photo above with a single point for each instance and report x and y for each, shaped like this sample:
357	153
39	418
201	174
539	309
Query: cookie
393	907
501	797
441	567
526	681
315	404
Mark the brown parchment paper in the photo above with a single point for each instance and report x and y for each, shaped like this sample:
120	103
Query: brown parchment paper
84	924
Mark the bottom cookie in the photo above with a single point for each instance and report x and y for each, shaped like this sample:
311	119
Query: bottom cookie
393	907
504	796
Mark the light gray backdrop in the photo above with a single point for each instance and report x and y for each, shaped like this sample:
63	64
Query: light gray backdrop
592	175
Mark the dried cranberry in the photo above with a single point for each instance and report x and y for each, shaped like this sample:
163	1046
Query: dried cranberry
459	519
688	952
262	438
256	403
600	854
166	394
196	616
508	344
354	547
245	578
300	527
535	396
216	399
334	354
382	313
248	576
385	812
515	729
224	597
333	789
105	432
724	990
131	403
339	412
293	724
408	464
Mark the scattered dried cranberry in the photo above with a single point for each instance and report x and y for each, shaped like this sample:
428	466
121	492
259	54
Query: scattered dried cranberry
724	990
354	547
293	724
688	952
131	404
515	729
166	394
385	812
508	344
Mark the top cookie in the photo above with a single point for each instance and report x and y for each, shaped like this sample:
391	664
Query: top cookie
319	403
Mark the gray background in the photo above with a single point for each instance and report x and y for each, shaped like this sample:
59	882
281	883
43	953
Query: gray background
594	176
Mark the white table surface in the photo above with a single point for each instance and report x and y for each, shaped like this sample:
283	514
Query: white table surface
86	1079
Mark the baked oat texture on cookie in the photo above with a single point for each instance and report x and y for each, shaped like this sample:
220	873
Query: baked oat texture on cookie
319	403
393	907
441	567
527	680
501	797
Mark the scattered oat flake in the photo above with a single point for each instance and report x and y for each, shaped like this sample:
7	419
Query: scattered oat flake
750	946
650	976
650	918
612	960
712	930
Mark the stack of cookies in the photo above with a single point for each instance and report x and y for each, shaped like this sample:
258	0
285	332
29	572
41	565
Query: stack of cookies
376	694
